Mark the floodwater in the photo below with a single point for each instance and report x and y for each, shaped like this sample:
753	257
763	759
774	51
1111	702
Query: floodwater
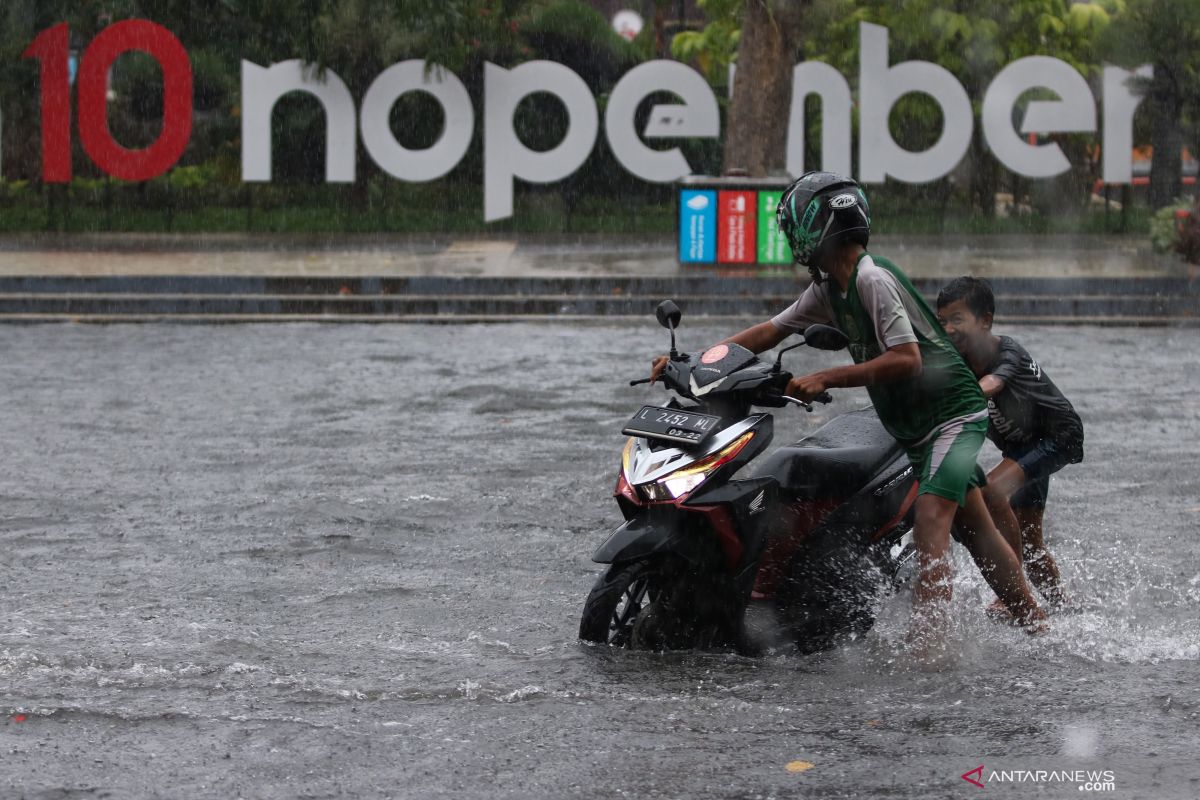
348	561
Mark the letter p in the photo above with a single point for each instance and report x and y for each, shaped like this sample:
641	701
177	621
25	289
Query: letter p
505	157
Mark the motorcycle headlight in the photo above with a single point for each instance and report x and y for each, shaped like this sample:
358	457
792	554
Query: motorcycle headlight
686	480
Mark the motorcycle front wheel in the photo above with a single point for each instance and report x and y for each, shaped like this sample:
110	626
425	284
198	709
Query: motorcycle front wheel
621	596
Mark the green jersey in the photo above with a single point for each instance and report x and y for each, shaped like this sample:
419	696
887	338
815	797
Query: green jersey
882	309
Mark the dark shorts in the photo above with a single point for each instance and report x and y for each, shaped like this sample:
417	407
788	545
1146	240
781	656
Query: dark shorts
1038	460
1032	494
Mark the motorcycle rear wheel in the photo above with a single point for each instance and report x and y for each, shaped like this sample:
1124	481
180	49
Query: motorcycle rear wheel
831	599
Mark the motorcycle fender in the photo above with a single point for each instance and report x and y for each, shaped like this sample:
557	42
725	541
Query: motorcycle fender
648	535
751	502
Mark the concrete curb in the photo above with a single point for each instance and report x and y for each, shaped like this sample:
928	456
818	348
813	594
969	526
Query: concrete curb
1132	301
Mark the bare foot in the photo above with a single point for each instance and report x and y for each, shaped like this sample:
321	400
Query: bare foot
998	611
1038	628
1035	623
927	653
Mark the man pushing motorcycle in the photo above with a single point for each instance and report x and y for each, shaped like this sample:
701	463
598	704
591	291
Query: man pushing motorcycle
924	393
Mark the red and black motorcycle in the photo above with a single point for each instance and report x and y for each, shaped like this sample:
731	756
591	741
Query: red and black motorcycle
806	544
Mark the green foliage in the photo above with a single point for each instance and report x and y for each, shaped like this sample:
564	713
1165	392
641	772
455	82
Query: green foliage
94	205
1164	225
1167	31
714	48
577	35
184	178
974	39
1166	34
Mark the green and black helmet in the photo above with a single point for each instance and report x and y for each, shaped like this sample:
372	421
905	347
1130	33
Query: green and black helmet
821	208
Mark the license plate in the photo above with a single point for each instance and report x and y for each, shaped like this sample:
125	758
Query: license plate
671	425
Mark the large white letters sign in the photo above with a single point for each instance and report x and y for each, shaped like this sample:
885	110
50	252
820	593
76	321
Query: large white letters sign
261	90
698	117
444	154
814	77
881	86
1119	104
1075	111
506	158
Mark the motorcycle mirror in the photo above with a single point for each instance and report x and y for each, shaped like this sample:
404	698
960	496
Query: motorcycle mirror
777	367
823	337
668	314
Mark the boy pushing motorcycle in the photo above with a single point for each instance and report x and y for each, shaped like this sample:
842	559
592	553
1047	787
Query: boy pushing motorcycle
1030	421
922	390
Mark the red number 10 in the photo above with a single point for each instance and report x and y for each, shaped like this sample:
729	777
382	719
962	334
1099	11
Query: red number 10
51	49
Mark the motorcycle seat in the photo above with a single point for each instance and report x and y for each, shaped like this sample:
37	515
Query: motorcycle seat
836	460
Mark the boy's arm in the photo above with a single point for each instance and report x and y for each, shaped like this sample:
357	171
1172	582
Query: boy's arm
1006	368
809	309
991	385
806	311
758	338
897	363
893	329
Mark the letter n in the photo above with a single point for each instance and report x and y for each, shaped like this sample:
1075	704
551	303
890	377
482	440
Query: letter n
261	90
814	77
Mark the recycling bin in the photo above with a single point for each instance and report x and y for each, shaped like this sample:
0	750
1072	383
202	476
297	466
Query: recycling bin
730	221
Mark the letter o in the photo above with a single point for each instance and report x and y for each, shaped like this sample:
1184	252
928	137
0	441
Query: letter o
443	155
97	139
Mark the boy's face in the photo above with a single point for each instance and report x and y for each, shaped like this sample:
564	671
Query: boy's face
962	326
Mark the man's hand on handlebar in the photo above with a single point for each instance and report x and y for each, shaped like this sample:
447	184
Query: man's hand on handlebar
807	387
656	368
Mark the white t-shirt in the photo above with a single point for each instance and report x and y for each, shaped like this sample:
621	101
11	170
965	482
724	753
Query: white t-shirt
895	312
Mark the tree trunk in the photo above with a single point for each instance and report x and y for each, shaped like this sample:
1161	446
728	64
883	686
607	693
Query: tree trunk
660	29
985	174
756	127
1167	140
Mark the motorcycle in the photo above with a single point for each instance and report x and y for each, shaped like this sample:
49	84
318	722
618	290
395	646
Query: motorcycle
796	553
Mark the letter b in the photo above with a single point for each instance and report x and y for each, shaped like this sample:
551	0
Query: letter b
882	86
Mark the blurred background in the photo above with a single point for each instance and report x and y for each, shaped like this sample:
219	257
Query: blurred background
600	40
349	559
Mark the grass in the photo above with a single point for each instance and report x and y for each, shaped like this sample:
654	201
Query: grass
1136	223
533	213
407	209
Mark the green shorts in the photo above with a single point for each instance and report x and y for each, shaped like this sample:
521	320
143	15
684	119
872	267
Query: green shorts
945	461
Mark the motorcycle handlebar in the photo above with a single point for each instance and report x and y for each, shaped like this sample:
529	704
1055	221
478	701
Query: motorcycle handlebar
823	397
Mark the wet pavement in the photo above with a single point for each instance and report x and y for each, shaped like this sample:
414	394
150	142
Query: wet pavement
348	561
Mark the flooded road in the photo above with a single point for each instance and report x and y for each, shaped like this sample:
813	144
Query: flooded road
348	561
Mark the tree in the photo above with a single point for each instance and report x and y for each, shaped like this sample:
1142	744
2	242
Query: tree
974	40
755	140
1166	34
713	48
761	36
